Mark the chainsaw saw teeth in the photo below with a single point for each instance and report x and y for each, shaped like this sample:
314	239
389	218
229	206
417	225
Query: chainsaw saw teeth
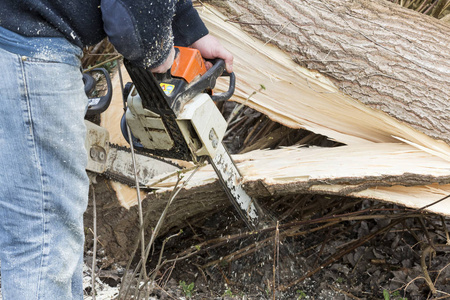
173	115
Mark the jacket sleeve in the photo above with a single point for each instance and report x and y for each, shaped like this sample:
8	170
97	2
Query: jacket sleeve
143	30
187	25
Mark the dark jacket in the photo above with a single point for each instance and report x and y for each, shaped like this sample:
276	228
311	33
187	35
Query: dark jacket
143	31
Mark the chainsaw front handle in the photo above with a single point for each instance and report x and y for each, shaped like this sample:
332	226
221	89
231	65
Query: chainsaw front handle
207	82
217	70
231	87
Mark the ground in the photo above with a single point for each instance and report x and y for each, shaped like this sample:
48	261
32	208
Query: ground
349	249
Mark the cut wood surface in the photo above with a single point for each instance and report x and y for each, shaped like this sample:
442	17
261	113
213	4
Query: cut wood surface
383	172
389	155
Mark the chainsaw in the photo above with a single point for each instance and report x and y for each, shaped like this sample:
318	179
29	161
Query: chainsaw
173	115
108	159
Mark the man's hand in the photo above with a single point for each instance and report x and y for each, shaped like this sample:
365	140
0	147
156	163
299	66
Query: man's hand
167	64
211	48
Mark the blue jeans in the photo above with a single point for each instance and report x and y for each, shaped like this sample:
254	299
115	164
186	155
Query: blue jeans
43	183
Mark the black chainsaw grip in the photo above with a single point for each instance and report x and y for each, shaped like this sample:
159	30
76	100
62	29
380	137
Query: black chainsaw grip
89	84
217	70
231	87
98	105
208	82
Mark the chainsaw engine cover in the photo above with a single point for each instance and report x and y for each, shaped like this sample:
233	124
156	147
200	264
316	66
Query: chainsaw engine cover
147	127
200	121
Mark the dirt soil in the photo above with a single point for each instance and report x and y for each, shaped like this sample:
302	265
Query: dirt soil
350	249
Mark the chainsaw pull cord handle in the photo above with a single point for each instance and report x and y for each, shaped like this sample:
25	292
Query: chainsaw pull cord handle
97	105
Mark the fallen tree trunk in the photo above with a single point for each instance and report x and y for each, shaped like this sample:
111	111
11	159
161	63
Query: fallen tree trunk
364	94
389	58
301	98
375	171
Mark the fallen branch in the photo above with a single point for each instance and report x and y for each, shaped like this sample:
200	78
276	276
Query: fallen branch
428	252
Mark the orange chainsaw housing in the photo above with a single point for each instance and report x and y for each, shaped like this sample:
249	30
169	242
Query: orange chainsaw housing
188	64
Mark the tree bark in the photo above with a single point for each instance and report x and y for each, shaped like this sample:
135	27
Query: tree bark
387	57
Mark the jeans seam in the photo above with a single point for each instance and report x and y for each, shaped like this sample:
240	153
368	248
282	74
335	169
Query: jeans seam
37	160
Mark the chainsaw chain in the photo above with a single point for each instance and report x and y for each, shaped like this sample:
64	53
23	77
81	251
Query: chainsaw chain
125	180
119	179
155	100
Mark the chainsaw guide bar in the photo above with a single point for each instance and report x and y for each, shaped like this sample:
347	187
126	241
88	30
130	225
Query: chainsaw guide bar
148	166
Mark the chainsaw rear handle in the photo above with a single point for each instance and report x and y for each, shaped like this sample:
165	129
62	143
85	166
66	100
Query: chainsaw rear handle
97	105
89	84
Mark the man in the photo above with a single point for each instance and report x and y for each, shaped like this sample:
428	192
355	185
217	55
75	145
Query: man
44	187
